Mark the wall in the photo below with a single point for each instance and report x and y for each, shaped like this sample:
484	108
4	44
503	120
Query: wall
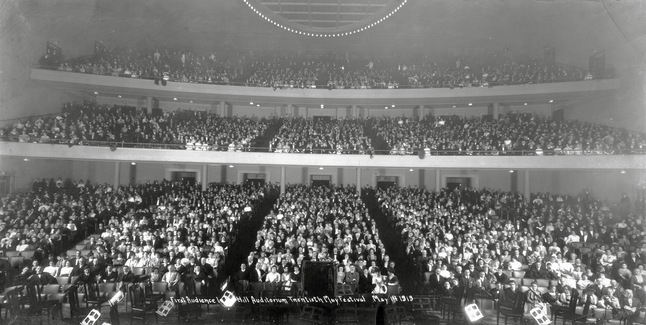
604	184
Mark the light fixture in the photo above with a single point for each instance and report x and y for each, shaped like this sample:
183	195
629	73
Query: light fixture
551	100
320	168
174	98
525	104
96	92
230	166
385	107
393	105
410	170
119	96
622	171
372	24
322	106
257	105
250	103
190	102
470	104
454	106
133	163
26	159
511	171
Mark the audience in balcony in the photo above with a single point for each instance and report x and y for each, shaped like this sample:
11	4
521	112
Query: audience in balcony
307	70
320	135
516	134
190	130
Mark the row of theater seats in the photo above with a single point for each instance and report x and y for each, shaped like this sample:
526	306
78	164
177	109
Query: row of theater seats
515	134
322	71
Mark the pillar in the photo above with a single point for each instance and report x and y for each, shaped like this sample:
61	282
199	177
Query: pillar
117	174
149	105
358	179
422	111
204	178
495	112
282	179
422	178
438	181
223	108
223	174
526	186
355	111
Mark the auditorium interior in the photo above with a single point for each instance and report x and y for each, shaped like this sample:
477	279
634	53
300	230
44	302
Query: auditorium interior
322	161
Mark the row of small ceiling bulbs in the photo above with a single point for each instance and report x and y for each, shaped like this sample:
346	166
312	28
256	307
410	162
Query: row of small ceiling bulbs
293	30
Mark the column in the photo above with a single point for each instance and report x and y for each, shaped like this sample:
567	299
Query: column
438	181
358	179
422	111
355	111
149	104
282	179
495	113
117	174
290	110
526	185
223	108
204	178
223	174
422	178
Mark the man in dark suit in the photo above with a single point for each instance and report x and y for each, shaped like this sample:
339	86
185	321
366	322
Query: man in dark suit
501	276
241	279
125	278
256	275
511	295
436	282
41	278
109	275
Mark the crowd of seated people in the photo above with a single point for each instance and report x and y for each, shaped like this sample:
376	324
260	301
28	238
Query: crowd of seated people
285	72
167	64
192	130
167	233
307	70
482	244
368	77
321	135
326	224
526	134
486	70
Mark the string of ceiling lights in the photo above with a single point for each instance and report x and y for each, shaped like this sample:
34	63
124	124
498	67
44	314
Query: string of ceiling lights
322	34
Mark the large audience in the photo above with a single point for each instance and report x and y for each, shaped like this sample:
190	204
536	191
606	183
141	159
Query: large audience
510	134
321	135
307	70
525	134
173	230
110	125
469	243
463	243
326	224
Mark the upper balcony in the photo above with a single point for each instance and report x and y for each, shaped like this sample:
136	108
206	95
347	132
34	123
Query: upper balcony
560	91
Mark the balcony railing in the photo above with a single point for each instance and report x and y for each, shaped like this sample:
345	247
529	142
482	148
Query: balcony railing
250	148
400	85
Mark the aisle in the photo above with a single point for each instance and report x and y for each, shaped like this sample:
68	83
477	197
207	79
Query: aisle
404	268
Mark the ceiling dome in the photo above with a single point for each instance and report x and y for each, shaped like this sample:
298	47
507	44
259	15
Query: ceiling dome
325	18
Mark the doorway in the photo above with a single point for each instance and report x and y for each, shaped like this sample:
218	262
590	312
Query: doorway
254	179
458	182
321	180
184	177
386	182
